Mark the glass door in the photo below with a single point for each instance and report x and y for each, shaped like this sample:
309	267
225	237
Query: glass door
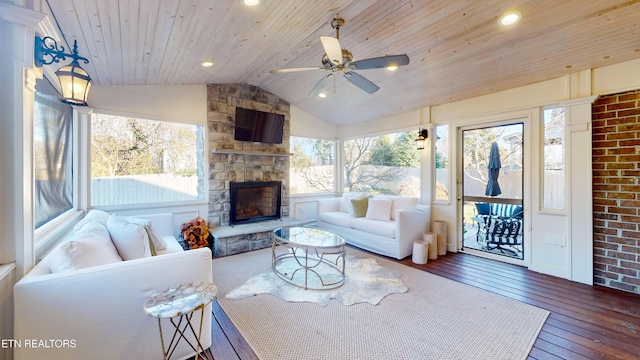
492	190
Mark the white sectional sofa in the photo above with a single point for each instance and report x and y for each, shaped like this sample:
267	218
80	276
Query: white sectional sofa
98	310
389	227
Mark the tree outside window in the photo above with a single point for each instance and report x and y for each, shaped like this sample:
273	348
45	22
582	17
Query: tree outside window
386	164
312	165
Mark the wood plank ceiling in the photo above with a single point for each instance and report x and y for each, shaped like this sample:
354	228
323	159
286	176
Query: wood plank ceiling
456	47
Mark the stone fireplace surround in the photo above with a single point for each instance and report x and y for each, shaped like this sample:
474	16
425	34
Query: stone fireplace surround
240	161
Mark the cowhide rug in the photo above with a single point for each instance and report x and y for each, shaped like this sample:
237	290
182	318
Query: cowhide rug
365	281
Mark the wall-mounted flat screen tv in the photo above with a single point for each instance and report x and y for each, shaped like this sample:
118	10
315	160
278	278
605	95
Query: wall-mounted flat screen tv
258	126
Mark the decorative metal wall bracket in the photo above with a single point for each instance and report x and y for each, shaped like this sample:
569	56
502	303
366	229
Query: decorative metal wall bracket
48	52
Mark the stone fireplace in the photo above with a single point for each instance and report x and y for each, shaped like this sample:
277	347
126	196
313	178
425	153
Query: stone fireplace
237	162
254	201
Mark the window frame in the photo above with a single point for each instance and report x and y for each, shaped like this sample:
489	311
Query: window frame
541	204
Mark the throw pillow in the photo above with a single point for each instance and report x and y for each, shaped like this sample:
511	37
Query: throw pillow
360	206
154	235
130	239
379	209
93	215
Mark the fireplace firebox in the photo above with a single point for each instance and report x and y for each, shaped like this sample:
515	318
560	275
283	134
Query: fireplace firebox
255	201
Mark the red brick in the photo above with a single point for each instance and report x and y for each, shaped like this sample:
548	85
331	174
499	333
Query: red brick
623	286
608	99
630	203
622	120
635	173
601	208
623	166
631	280
621	151
598	109
622	225
630	265
598	137
622	210
622	241
598	223
630	188
622	271
605	216
621	135
620	180
621	105
605	115
597	236
631	249
634	142
599	152
629	127
623	113
606	173
606	245
606	274
605	260
621	255
606	202
630	96
620	195
606	231
631	234
606	144
627	218
598	166
599	281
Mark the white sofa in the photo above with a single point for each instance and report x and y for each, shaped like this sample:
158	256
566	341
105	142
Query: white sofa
100	307
393	236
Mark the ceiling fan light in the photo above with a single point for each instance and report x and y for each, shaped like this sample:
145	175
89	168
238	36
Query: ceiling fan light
251	2
510	18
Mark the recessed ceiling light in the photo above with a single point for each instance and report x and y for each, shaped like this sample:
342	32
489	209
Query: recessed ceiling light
510	18
322	95
392	68
207	63
251	2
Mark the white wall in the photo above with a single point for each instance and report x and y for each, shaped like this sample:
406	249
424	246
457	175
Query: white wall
184	103
306	125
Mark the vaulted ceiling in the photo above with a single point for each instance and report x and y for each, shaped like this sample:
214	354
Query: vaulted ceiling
457	48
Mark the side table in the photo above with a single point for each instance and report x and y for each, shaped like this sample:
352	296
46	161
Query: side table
181	302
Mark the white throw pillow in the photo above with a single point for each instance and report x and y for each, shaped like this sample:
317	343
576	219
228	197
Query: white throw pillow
93	215
89	246
345	202
156	237
130	239
402	203
379	209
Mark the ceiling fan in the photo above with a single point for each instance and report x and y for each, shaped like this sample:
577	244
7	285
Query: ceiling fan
336	59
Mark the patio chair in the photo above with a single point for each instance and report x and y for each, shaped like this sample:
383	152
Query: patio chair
499	225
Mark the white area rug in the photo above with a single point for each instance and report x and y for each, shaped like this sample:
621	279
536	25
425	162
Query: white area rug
365	281
436	318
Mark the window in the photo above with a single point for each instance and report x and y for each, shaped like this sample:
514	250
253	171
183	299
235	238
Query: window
135	161
554	158
312	165
442	162
53	153
386	164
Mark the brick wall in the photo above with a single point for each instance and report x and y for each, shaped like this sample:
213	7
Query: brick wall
240	165
616	191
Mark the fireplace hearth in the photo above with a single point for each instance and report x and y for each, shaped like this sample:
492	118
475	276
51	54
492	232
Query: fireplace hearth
254	201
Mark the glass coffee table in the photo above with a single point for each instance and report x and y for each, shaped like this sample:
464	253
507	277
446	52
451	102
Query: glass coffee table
310	258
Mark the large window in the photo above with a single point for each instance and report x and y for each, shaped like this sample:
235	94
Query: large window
52	154
136	161
387	164
554	158
312	165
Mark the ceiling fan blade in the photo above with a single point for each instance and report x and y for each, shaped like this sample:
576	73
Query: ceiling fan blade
361	82
381	62
320	85
286	70
332	48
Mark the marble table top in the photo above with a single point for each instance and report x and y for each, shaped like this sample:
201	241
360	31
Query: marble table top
180	300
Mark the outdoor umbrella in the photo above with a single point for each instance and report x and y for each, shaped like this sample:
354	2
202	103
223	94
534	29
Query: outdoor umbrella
493	188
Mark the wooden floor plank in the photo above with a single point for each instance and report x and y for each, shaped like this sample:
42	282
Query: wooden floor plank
586	322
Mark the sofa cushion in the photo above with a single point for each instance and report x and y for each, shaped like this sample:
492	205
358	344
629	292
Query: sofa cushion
130	239
338	218
360	206
379	209
89	246
402	203
377	227
345	203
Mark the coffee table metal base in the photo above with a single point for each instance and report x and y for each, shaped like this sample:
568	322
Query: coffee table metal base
308	267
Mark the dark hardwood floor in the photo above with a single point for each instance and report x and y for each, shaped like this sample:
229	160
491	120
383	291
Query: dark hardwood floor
586	322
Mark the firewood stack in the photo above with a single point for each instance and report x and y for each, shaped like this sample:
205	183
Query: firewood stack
195	233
